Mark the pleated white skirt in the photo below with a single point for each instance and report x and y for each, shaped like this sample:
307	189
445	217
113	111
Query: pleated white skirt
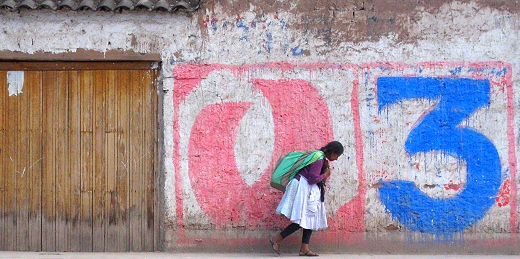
302	205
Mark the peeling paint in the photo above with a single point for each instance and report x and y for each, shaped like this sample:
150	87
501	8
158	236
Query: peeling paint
15	80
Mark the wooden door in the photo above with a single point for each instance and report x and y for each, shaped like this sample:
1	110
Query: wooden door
78	156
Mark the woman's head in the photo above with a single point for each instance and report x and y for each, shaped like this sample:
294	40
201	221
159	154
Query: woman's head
333	150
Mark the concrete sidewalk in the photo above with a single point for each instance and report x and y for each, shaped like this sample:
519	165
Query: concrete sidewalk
56	255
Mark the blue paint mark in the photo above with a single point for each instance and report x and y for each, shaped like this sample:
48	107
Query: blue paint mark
456	71
285	48
224	24
243	38
506	174
214	25
366	77
385	68
500	72
370	95
489	70
269	37
242	25
297	52
283	24
439	130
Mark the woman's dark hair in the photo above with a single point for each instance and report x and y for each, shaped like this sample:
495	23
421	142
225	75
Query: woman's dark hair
333	147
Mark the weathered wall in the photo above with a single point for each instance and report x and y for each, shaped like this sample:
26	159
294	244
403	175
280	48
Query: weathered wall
424	94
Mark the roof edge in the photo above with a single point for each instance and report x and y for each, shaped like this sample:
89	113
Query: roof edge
103	5
79	55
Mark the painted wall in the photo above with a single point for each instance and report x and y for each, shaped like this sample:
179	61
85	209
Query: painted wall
424	96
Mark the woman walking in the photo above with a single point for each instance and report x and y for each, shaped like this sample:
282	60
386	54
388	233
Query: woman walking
303	200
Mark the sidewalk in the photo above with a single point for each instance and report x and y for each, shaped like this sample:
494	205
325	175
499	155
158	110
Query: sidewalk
56	255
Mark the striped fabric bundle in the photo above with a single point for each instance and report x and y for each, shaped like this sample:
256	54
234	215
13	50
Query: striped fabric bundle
288	166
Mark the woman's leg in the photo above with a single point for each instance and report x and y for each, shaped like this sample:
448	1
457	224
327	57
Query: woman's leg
293	227
306	239
275	242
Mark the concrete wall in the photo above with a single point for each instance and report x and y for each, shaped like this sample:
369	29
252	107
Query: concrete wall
423	95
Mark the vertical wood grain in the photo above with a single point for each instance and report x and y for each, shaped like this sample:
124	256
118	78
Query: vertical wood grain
61	163
34	103
34	89
99	184
79	161
11	117
111	162
149	165
3	160
21	164
123	159
49	166
136	179
74	165
86	159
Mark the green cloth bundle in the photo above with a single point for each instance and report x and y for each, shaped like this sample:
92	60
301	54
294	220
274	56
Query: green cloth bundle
288	166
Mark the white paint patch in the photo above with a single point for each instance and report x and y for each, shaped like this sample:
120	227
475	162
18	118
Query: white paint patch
15	82
255	143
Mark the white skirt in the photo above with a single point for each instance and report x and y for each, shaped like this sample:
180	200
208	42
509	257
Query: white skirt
302	205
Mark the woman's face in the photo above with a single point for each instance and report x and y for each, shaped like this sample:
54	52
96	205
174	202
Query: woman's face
333	156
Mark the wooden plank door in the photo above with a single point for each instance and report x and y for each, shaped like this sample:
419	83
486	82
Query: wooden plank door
78	164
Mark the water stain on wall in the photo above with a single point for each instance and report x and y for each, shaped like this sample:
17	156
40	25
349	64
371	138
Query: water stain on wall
337	21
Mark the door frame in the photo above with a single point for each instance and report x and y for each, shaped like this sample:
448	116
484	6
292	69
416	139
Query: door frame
112	59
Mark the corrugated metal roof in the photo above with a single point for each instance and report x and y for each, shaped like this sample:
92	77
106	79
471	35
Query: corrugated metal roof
101	5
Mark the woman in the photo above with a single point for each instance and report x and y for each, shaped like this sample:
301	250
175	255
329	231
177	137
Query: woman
303	199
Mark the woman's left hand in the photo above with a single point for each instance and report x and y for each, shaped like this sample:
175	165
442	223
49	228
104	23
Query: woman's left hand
327	173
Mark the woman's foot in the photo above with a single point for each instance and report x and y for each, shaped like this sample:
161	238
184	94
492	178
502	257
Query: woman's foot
308	253
275	246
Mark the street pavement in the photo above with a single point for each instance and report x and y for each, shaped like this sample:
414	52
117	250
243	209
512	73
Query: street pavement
56	255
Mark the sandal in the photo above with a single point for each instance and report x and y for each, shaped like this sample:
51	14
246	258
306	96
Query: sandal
275	246
308	253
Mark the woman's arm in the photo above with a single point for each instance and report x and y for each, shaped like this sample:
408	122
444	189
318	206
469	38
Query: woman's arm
313	174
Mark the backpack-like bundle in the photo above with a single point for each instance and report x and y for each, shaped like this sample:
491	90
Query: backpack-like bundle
288	166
